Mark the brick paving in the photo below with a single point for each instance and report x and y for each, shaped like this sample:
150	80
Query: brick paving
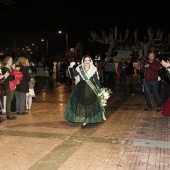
130	138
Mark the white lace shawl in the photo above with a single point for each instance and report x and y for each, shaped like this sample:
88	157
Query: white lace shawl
89	73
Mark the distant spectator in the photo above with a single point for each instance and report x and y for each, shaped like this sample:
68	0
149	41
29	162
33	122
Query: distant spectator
121	70
7	67
2	80
40	70
31	92
23	87
110	72
166	105
33	67
69	73
140	75
100	68
130	70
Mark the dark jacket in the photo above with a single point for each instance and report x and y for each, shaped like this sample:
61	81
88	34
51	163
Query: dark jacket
129	68
121	68
151	73
168	75
109	67
2	92
9	78
24	83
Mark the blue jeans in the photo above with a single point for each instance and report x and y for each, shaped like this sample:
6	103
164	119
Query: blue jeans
149	87
139	82
20	101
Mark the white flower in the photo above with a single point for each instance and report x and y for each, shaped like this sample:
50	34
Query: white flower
103	101
104	95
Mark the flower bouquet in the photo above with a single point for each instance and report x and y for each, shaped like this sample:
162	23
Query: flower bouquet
104	94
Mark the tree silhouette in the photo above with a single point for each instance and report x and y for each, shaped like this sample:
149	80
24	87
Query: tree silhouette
112	38
7	3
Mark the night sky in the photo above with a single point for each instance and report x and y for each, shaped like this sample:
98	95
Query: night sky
30	20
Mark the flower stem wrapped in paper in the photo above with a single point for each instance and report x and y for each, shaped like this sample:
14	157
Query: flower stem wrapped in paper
104	94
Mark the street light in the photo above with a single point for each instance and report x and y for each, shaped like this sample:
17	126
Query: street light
60	32
36	49
47	47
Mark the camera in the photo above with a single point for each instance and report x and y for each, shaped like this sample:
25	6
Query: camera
147	62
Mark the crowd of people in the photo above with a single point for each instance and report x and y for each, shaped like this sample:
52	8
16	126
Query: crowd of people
17	78
17	81
153	77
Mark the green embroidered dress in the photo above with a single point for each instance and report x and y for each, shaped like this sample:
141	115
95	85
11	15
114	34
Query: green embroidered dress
83	105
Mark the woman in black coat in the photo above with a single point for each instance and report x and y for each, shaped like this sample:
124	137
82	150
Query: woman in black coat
23	87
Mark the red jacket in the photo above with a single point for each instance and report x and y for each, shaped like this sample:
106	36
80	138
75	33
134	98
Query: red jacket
18	77
151	72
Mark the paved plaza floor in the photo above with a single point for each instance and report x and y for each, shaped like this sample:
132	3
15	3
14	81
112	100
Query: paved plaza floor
130	138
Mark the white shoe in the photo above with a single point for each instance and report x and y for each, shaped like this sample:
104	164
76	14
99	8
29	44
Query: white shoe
84	125
3	111
104	118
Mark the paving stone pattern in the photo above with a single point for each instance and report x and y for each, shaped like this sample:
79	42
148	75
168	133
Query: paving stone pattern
130	138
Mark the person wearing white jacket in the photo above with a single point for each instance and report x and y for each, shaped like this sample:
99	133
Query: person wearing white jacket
69	73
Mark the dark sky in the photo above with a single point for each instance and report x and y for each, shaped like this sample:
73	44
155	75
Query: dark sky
31	19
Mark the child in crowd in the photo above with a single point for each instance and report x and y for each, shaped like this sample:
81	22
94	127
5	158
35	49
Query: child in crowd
31	93
18	76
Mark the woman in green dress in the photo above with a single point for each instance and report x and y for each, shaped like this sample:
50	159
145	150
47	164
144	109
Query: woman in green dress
83	105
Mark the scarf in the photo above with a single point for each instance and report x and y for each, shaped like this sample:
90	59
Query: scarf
89	73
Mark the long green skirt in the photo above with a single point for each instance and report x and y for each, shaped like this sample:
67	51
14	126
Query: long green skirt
83	105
